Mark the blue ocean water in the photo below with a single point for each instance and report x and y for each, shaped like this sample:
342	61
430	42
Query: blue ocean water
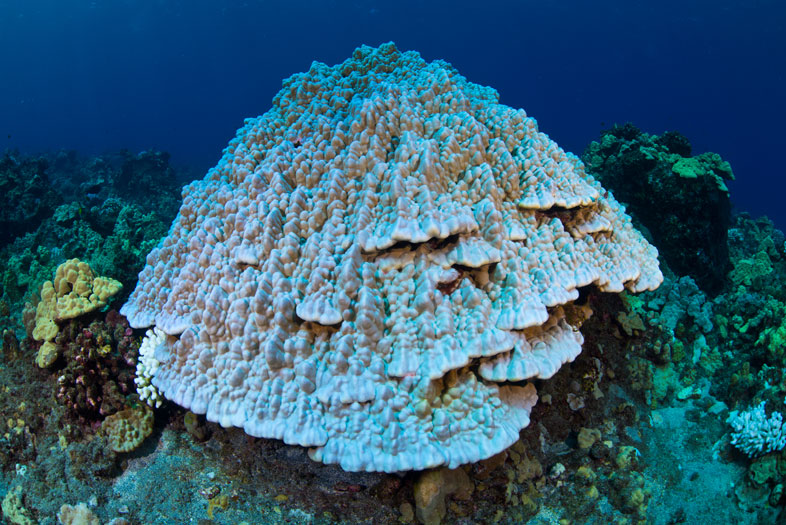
180	76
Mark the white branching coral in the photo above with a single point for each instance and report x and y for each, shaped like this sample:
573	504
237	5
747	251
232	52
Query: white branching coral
378	263
146	368
755	433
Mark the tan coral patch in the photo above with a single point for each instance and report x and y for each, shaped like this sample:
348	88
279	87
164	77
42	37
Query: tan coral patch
127	429
75	291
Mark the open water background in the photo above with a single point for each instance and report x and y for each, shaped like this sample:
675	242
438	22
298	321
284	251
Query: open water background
180	75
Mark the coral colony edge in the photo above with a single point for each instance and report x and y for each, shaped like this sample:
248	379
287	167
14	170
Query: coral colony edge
377	266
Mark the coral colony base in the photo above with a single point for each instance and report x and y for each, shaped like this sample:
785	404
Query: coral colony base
377	265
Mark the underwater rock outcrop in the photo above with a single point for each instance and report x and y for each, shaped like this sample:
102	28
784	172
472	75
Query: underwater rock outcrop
377	264
24	182
682	200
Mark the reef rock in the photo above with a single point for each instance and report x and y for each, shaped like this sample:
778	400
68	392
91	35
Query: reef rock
28	198
377	264
689	219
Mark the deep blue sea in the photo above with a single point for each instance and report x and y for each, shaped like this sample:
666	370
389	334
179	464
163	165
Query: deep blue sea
180	76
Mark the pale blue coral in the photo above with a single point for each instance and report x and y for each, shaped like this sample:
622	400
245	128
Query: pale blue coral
755	433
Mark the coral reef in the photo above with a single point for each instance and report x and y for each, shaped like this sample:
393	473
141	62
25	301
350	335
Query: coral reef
720	345
599	453
24	182
649	425
734	342
90	218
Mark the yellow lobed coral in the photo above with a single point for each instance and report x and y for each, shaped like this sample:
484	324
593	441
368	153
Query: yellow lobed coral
75	291
47	354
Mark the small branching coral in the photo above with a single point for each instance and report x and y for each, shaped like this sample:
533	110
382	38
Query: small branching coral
755	433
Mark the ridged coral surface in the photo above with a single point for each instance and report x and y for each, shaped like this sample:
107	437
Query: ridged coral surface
377	263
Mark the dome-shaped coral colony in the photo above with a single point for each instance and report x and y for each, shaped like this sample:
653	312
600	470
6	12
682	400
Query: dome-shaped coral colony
377	263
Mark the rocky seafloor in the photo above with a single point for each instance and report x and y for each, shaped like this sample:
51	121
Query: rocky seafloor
633	431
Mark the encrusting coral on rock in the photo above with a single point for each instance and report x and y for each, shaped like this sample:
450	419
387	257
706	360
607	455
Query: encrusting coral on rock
377	263
127	429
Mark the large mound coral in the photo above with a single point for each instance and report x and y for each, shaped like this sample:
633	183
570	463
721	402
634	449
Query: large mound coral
377	263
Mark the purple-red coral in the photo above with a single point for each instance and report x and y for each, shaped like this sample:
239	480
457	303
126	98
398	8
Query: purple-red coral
99	358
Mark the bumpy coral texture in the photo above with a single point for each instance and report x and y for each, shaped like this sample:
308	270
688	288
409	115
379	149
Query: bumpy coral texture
755	433
76	290
376	264
127	429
